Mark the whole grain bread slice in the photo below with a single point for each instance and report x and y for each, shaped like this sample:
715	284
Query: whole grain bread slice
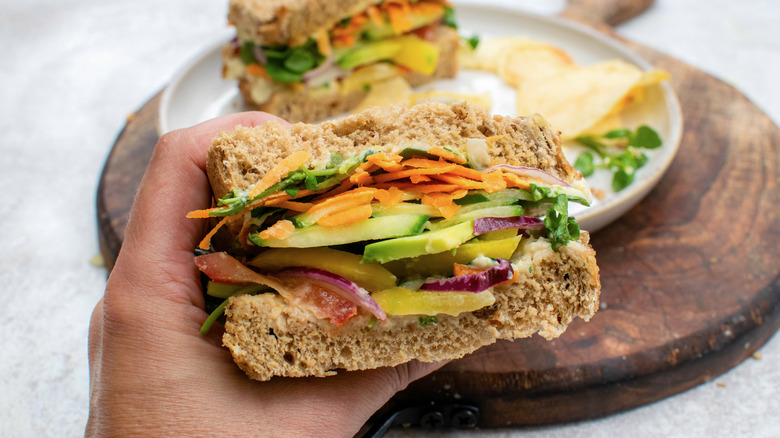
239	158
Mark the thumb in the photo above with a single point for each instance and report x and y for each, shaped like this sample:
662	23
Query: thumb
159	239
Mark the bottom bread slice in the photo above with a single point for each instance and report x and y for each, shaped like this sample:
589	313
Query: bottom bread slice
269	338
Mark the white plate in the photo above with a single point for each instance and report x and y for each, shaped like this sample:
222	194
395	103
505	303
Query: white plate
198	93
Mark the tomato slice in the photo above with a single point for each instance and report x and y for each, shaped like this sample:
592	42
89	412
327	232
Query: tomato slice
316	297
221	267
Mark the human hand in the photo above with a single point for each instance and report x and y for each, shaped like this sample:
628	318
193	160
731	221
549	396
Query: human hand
151	371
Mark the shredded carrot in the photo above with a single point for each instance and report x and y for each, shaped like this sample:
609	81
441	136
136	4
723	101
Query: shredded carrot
255	69
294	206
398	20
347	216
375	15
459	270
333	191
426	8
494	181
354	197
384	156
344	41
387	161
368	166
447	155
418	188
439	200
201	214
513	180
204	244
448	211
469	173
287	165
389	197
515	274
417	179
273	197
425	163
279	230
460	181
360	178
391	176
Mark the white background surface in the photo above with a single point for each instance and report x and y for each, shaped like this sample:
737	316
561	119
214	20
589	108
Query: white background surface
71	71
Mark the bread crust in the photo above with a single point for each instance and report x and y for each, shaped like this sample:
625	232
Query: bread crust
290	22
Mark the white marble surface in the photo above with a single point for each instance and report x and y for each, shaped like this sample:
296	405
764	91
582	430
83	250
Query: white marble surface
72	70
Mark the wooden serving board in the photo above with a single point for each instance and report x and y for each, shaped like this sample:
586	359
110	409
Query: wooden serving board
691	275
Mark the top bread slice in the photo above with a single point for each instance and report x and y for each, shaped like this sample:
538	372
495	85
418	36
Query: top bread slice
269	338
239	158
289	22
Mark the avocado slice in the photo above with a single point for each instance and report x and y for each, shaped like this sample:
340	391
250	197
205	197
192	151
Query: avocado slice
385	227
442	263
366	53
430	242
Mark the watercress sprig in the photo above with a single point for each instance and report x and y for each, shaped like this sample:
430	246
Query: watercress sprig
619	151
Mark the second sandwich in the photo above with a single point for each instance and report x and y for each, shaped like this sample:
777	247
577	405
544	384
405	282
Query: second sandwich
309	60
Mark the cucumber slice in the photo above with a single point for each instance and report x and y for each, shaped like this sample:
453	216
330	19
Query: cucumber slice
385	227
500	211
405	208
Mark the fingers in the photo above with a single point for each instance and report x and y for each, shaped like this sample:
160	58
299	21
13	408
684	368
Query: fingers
343	402
159	239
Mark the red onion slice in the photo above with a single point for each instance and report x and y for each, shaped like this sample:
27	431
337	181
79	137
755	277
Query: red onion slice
259	55
472	283
530	172
487	224
322	68
340	285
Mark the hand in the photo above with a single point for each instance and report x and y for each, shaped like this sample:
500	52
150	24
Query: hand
151	371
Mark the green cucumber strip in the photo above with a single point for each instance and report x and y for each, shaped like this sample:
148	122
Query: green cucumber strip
500	211
385	227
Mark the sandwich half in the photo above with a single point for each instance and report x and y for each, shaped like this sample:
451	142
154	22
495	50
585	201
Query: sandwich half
309	60
394	234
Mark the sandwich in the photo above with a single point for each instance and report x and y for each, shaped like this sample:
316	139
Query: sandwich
398	233
309	60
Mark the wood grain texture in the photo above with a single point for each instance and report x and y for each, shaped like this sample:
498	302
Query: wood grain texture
690	276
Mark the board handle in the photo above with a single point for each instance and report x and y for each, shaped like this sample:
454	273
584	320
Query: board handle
604	13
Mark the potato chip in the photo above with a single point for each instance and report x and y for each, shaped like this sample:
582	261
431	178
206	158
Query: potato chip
575	99
479	99
519	63
370	74
386	93
488	53
608	123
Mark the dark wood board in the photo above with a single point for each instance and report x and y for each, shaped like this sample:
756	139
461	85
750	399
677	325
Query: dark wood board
690	276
